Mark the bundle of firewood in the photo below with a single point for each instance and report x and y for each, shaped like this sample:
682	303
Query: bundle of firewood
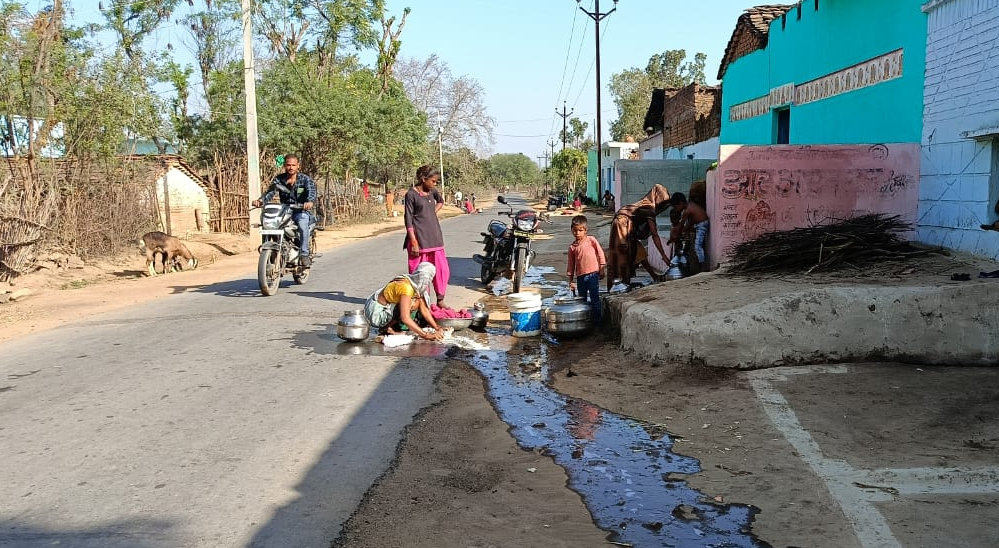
856	243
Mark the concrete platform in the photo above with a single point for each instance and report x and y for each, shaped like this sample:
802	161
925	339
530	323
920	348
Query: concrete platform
724	321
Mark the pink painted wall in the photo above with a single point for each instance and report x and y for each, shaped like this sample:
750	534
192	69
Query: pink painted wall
760	189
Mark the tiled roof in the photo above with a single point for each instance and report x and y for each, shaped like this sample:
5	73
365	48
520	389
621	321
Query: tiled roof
751	32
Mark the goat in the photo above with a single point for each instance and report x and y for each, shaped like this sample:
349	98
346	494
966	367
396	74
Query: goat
169	248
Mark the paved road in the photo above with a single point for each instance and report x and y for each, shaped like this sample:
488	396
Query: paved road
216	417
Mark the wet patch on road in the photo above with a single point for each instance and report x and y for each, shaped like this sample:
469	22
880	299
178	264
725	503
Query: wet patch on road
624	469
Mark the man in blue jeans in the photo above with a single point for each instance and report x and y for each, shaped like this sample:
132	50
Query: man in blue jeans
301	189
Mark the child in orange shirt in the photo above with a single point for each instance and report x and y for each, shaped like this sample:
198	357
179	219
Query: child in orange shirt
587	266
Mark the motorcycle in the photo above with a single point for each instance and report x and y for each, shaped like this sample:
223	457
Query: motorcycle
508	247
279	247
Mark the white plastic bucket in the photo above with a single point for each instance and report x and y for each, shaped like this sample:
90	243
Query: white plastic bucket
525	313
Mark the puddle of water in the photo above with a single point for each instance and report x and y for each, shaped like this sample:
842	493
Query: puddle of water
624	470
328	343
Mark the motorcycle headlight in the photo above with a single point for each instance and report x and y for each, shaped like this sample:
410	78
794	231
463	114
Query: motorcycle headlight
270	223
524	224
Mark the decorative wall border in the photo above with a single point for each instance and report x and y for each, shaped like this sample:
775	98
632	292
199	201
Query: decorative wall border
866	74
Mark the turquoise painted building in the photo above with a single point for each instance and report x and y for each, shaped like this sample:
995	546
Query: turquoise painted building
825	72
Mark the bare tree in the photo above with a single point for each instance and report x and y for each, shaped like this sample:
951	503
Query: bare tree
458	102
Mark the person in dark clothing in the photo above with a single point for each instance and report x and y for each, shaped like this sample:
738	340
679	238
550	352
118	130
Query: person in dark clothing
301	189
424	239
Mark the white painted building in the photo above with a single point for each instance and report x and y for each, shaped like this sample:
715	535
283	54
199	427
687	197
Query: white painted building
959	181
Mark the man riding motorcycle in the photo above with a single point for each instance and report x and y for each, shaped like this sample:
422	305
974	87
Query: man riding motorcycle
301	189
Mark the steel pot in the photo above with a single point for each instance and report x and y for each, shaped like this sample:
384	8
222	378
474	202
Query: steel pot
353	326
480	316
568	316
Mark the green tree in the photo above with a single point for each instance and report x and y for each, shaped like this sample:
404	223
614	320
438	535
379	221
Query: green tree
569	169
512	169
632	88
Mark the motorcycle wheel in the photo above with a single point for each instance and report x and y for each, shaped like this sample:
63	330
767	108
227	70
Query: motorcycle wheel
486	274
519	266
269	271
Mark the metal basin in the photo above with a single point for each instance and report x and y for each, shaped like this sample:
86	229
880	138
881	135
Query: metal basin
455	323
568	316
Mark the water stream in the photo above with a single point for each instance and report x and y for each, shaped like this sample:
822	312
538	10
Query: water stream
625	470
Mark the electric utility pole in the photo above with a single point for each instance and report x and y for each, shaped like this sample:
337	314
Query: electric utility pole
597	17
552	145
565	116
252	147
440	145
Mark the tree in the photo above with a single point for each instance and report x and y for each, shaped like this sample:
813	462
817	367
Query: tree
569	169
575	134
632	88
213	39
462	168
388	48
512	169
458	102
319	26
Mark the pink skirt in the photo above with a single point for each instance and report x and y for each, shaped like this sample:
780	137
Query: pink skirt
438	258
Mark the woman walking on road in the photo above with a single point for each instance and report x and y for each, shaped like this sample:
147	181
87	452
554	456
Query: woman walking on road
424	239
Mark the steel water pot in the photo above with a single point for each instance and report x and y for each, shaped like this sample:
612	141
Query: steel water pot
353	326
568	316
480	316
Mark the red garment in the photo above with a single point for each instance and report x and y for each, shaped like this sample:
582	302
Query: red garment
585	257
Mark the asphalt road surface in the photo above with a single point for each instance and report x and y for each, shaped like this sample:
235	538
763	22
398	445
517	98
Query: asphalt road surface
216	417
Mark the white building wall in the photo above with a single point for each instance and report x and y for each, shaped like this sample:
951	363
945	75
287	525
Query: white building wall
186	200
959	183
705	150
651	148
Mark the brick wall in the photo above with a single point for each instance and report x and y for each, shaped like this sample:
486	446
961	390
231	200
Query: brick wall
959	183
692	115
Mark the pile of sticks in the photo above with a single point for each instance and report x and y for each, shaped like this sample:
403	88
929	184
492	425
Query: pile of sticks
856	243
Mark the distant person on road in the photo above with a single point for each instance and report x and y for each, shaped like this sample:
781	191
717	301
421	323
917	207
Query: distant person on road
623	245
458	202
692	217
469	208
424	238
587	266
299	189
398	302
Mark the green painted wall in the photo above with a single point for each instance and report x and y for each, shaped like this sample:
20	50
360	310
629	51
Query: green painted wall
842	33
592	186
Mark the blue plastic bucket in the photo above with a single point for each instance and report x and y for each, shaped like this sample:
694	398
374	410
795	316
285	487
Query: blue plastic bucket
525	314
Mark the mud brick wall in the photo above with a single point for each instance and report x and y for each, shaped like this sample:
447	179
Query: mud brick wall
692	115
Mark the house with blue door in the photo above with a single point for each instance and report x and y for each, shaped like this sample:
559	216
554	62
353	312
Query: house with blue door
825	72
821	116
959	184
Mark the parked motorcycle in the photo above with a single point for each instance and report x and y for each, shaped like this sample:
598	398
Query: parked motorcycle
280	250
508	247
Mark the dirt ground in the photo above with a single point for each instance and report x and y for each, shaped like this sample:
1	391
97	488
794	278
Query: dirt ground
460	479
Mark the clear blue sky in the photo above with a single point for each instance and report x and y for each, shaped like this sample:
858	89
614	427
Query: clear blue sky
531	55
